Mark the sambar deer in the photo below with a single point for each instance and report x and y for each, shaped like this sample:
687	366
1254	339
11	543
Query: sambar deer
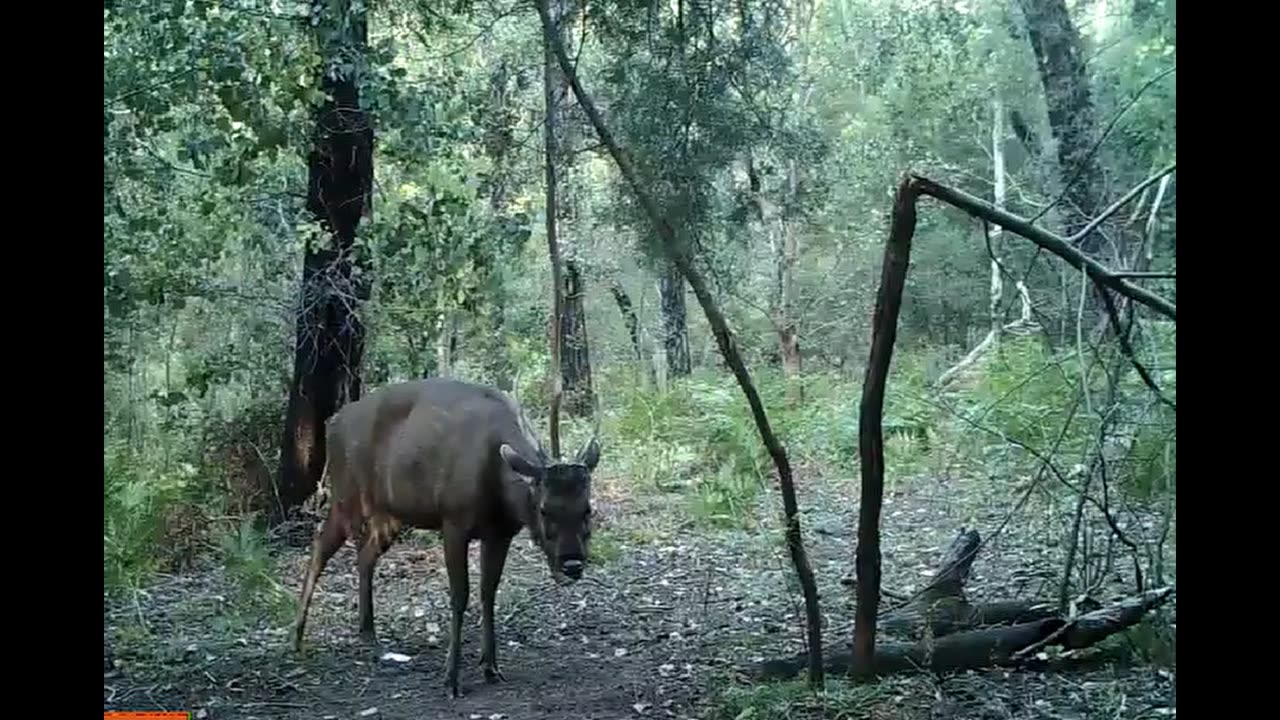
461	458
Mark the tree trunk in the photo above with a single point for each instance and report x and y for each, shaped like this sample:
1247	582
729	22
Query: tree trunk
329	344
575	358
446	341
1056	44
499	128
675	330
995	235
785	320
724	339
550	83
884	330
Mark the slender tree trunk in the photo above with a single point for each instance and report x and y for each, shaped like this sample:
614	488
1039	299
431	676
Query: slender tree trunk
675	329
786	321
329	345
499	129
575	356
578	396
551	82
995	232
446	342
884	331
724	339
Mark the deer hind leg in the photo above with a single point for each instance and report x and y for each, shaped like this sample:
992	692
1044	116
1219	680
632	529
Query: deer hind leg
328	539
382	532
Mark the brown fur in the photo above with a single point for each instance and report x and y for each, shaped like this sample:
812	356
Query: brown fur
441	454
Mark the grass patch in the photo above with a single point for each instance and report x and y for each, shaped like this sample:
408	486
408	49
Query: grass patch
794	700
605	547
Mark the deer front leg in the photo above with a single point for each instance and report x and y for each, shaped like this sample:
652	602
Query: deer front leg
493	557
381	534
455	558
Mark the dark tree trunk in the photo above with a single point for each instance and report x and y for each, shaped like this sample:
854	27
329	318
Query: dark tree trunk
575	358
628	316
1057	47
884	330
675	330
329	344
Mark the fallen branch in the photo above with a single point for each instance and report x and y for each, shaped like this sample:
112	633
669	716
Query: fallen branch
1145	275
1022	324
959	636
1052	242
1092	627
941	607
964	651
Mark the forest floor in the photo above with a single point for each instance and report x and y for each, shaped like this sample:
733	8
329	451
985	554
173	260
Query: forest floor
669	609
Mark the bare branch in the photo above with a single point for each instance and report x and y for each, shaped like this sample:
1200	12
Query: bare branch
1115	207
1141	275
1052	242
1127	348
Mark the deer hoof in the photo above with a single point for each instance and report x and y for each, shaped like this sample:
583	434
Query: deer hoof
493	675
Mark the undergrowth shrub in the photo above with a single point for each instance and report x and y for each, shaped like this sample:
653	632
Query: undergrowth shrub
240	458
142	504
168	501
699	437
244	553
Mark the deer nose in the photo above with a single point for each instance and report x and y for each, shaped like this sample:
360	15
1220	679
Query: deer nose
572	568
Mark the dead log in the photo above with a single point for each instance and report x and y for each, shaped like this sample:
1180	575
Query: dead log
948	619
941	608
988	647
1010	646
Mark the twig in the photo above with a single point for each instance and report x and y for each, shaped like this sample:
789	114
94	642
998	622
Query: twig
1145	275
1115	207
153	86
1126	348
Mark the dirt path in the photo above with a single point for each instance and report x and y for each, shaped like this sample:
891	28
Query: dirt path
652	633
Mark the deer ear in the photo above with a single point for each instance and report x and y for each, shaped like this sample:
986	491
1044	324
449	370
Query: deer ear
527	470
590	455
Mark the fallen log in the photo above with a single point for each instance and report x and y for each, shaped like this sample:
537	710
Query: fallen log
941	608
947	619
962	651
1006	646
